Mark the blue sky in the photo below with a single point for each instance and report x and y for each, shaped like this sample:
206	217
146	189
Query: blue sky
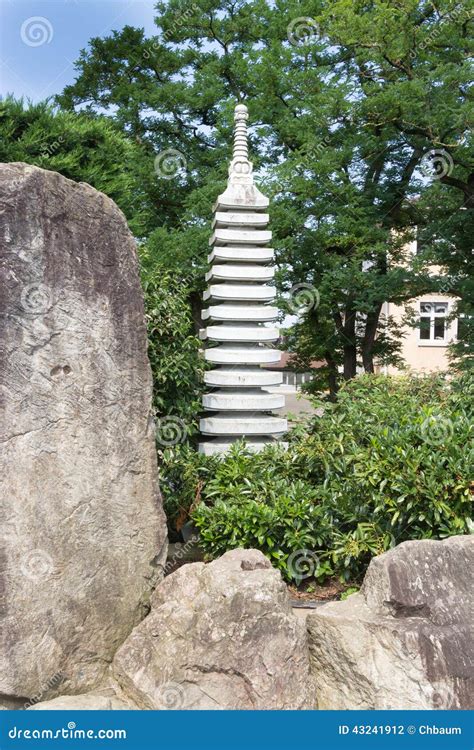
41	39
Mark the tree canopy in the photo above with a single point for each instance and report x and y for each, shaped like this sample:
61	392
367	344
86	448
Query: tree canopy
84	149
360	114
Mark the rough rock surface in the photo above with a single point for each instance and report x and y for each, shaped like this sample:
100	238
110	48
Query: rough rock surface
219	636
83	534
84	702
406	640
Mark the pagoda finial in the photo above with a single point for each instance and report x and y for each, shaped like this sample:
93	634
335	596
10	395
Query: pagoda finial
241	115
240	168
241	189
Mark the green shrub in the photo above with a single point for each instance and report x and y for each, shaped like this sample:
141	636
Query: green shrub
390	461
260	501
395	454
183	474
173	350
83	148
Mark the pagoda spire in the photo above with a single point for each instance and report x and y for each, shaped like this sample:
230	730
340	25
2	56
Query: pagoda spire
241	189
241	146
240	168
240	329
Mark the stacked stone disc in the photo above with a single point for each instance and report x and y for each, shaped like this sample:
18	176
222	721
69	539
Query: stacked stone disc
239	334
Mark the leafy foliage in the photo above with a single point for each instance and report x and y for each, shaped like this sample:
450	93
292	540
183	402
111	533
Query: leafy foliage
184	473
449	216
393	455
346	119
173	348
386	463
83	149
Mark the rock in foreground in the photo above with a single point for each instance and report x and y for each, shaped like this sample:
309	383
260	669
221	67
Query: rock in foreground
219	636
406	640
97	701
83	532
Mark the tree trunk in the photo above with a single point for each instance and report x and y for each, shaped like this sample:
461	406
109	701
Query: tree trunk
350	362
332	376
371	325
349	343
195	299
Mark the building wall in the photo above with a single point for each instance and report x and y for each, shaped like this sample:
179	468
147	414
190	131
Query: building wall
296	379
424	355
423	352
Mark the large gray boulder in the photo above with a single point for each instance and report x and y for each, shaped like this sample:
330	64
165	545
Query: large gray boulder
96	701
219	636
83	535
406	640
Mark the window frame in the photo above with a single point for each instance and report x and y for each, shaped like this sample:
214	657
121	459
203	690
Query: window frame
432	316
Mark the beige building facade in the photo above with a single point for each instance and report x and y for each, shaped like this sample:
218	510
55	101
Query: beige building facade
425	348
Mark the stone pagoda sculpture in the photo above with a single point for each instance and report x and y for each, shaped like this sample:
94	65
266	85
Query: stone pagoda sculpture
238	335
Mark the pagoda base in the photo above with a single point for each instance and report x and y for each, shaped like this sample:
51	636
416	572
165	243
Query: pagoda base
214	447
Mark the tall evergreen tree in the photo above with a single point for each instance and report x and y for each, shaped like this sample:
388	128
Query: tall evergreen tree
361	112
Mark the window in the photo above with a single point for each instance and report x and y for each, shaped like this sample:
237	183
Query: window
433	326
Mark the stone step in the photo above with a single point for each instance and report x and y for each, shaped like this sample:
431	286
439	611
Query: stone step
239	333
241	197
242	424
245	400
241	253
221	445
235	272
242	377
227	354
240	219
240	237
244	292
252	313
